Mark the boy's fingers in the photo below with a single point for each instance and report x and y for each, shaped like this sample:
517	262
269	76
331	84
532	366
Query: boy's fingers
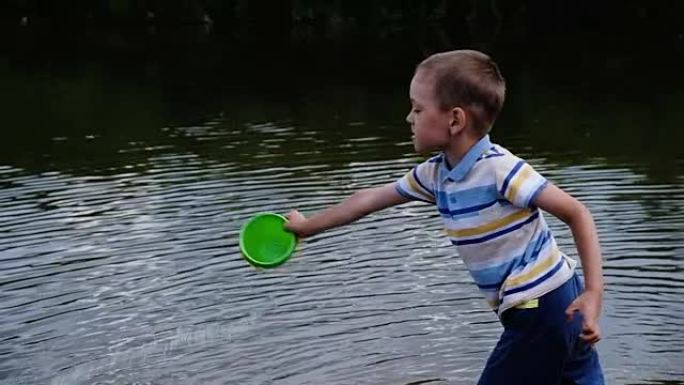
570	311
288	223
295	223
292	215
590	333
587	338
590	338
295	215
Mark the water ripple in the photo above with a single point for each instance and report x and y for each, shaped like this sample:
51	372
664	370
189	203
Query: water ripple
134	275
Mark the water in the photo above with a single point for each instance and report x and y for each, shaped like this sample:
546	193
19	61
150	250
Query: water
123	188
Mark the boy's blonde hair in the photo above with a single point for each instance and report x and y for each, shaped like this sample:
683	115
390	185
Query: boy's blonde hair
467	79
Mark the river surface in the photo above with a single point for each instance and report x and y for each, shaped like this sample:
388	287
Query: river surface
123	187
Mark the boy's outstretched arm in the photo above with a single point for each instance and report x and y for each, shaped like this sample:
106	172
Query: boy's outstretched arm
568	209
359	204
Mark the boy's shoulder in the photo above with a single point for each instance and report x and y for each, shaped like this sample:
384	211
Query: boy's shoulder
431	165
497	151
494	162
436	159
496	157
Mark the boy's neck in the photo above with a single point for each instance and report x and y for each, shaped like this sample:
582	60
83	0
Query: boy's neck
457	149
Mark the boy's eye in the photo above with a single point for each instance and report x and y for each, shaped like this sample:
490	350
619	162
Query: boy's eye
416	111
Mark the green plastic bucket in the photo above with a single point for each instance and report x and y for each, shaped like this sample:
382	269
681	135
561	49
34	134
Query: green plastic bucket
264	242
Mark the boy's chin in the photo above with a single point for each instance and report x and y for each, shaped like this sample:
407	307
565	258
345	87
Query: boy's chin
424	149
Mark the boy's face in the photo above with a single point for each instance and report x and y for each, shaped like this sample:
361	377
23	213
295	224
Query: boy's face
429	124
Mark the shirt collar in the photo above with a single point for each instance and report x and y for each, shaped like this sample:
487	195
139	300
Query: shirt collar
461	169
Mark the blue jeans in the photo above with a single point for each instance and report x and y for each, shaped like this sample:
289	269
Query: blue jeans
539	347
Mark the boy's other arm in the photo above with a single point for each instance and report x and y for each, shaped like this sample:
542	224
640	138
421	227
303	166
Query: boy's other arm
359	204
568	209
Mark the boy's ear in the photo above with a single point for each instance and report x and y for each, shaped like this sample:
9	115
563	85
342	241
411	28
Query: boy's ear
458	122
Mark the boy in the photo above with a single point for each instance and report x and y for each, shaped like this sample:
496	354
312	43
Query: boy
490	203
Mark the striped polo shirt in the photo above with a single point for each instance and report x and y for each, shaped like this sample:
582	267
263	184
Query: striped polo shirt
486	204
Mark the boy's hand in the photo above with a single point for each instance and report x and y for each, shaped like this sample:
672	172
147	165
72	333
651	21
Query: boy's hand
589	305
296	222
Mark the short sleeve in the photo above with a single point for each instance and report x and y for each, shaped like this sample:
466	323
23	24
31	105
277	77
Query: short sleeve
419	183
517	181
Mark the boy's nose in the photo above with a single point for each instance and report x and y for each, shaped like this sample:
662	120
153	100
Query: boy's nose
409	118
